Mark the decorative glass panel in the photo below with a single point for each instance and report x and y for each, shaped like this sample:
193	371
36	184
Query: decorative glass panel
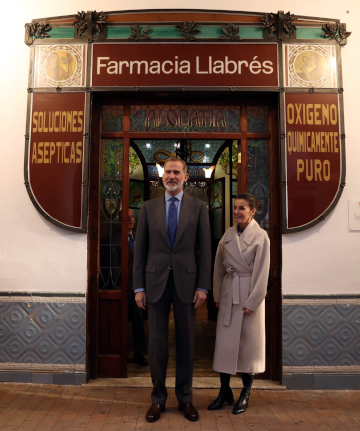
158	150
257	119
216	195
258	178
134	162
234	190
156	189
224	160
112	118
182	118
110	220
136	194
197	189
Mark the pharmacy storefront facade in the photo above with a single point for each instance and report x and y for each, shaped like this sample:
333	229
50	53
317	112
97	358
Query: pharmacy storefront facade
111	95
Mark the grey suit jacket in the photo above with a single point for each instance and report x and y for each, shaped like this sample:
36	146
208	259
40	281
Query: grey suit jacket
153	254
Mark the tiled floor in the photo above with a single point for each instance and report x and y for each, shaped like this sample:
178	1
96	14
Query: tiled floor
26	407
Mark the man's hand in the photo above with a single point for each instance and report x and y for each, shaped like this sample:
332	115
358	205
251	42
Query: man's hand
140	299
199	298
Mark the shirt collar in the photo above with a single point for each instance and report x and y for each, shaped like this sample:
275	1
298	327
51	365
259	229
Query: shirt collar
239	230
179	196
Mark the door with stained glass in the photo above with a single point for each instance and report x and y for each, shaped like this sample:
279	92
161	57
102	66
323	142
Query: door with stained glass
238	138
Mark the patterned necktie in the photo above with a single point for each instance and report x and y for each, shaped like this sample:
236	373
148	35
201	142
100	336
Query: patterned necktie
172	222
131	242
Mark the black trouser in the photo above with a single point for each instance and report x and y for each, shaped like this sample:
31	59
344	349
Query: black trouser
185	319
137	319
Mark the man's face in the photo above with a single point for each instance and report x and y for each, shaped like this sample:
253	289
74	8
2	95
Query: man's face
131	223
174	176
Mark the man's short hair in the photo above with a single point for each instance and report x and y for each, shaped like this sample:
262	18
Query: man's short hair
177	159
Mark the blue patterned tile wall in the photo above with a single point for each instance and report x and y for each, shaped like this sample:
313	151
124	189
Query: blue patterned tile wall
42	334
321	335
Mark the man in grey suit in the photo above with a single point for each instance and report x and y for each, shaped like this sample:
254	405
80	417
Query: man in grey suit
172	265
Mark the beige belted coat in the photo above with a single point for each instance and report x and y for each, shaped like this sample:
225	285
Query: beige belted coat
241	273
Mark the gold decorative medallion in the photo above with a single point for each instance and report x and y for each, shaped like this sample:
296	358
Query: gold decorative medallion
310	66
60	66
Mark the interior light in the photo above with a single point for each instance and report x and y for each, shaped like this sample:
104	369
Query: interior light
160	170
209	171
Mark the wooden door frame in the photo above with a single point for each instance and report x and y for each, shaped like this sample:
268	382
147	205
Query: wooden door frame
213	98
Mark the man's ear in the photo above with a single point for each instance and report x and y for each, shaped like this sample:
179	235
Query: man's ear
186	177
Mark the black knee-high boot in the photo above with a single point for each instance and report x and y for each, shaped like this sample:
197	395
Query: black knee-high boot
243	401
225	393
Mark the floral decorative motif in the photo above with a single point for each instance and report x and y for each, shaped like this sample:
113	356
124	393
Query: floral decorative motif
230	33
36	30
224	160
188	30
98	21
134	162
289	26
80	23
138	34
161	155
270	22
335	31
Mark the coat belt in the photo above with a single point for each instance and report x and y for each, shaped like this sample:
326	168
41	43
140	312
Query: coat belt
234	293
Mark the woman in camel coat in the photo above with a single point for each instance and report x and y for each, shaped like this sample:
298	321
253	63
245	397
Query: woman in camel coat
241	273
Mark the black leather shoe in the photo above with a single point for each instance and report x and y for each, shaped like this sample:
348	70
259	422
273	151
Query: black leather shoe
224	395
243	402
140	360
154	412
190	412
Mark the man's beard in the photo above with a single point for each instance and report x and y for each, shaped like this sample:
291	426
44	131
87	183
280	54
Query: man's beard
172	187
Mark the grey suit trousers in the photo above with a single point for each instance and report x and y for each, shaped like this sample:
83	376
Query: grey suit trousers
185	320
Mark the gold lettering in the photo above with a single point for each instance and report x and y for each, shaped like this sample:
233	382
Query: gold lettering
325	114
317	107
300	168
52	149
80	121
58	146
317	169
66	159
309	176
41	122
309	114
326	170
35	122
336	142
78	152
72	153
333	114
34	154
46	152
40	152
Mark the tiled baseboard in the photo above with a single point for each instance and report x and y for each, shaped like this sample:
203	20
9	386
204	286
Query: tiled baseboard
43	378
42	337
321	341
321	381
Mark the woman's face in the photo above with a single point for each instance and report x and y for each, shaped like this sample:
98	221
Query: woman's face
242	213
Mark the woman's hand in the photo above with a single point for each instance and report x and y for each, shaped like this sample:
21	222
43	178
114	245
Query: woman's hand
247	311
217	305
